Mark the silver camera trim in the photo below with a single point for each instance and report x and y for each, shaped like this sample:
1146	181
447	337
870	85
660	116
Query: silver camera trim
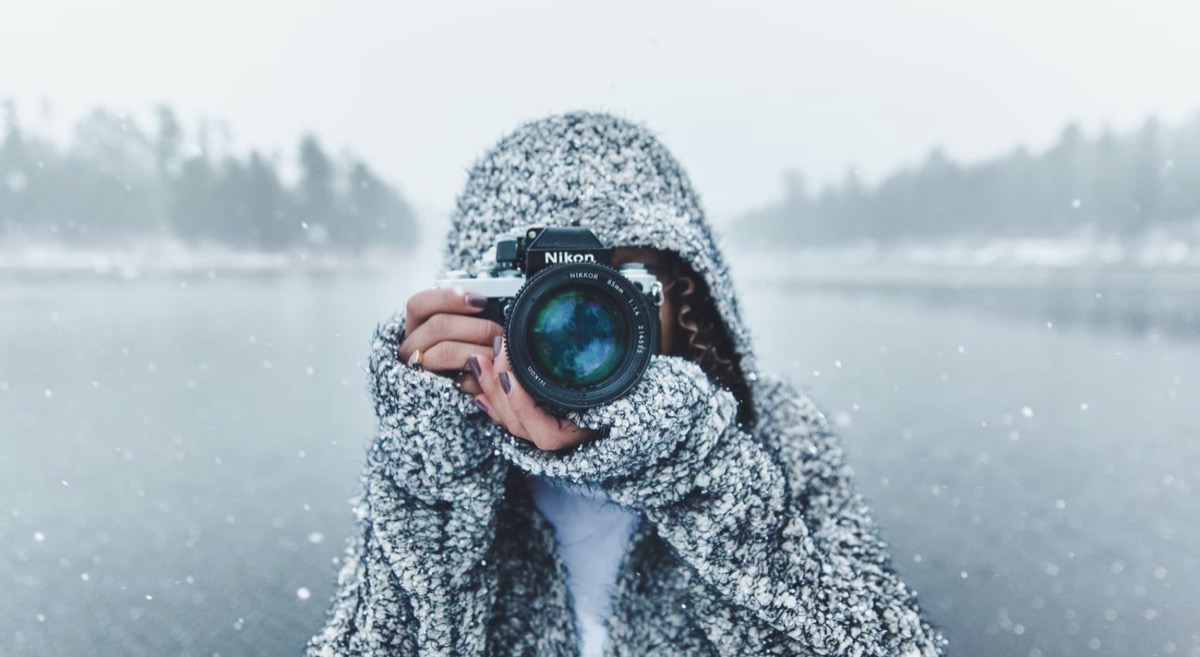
508	282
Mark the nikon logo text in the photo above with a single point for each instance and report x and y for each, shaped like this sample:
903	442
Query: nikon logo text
562	257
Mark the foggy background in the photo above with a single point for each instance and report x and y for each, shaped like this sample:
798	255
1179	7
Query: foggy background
971	232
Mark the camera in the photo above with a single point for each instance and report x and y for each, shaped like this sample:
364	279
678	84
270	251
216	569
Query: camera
579	332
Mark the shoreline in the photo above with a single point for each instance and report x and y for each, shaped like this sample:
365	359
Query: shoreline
170	258
1007	262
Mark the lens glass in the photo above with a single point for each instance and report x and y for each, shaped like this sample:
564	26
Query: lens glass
578	337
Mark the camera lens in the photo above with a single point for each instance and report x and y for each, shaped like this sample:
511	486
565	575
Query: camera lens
578	337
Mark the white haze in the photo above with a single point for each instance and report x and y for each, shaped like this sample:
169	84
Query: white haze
739	91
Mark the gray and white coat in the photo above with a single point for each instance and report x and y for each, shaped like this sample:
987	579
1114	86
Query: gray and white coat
752	539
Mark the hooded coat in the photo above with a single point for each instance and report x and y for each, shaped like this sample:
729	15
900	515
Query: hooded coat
751	539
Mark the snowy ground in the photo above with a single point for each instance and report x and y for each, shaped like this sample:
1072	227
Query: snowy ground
150	257
1152	252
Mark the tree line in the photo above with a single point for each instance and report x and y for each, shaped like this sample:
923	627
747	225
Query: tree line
115	181
1118	185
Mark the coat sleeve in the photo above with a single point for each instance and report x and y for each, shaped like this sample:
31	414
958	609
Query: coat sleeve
416	578
767	517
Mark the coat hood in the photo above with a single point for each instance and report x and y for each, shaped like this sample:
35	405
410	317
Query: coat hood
601	172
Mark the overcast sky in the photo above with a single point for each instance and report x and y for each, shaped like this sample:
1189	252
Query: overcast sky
739	91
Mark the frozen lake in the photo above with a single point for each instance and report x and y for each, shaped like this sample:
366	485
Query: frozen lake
177	450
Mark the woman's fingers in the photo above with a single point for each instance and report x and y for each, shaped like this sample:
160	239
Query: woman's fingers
468	384
506	402
427	303
446	327
438	327
493	398
449	356
544	430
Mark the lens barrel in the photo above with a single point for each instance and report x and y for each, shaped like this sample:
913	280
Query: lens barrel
580	335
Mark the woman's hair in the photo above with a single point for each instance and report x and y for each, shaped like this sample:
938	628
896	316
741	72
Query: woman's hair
700	335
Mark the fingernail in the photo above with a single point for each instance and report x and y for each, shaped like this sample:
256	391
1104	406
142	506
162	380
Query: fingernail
412	359
505	384
476	300
482	406
496	342
473	363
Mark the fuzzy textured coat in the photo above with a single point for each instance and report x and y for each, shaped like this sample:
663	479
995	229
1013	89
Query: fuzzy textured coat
752	539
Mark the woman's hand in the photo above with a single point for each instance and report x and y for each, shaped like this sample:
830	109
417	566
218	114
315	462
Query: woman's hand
437	322
506	402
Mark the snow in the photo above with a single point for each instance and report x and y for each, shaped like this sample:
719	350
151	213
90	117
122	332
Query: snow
1152	250
1012	261
134	259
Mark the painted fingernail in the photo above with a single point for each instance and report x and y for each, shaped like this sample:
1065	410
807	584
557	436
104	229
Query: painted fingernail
496	342
473	363
482	406
505	384
476	300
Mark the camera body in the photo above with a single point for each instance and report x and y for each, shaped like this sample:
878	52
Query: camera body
578	331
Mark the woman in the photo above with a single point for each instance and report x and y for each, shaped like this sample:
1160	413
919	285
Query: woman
730	524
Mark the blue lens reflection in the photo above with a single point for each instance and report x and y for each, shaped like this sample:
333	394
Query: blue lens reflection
577	337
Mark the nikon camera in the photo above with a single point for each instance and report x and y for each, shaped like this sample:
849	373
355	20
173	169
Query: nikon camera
579	332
